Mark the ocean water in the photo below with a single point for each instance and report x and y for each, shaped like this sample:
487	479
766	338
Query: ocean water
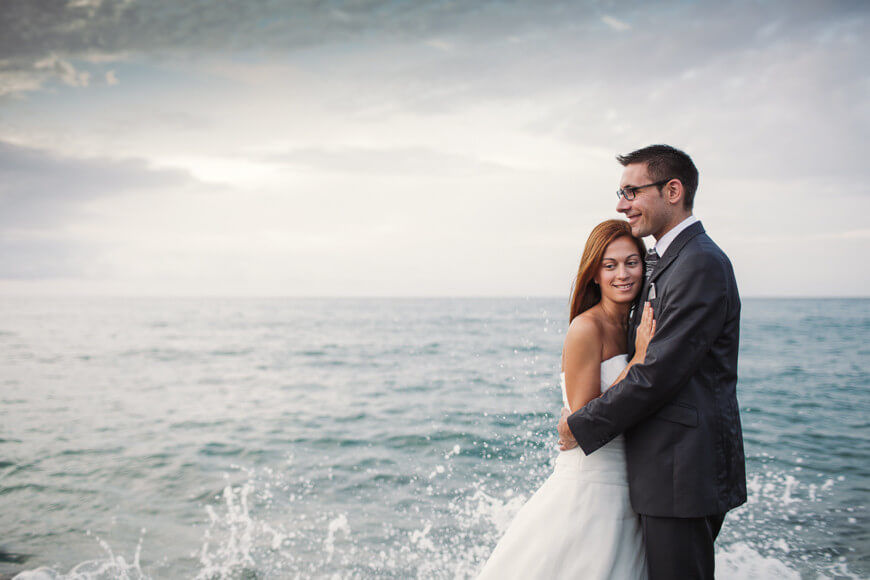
389	438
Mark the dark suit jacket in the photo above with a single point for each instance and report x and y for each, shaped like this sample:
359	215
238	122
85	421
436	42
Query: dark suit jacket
678	410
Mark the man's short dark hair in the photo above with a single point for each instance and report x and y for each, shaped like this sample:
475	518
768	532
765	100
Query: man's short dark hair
666	162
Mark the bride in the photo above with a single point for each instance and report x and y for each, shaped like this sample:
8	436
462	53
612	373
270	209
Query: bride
580	524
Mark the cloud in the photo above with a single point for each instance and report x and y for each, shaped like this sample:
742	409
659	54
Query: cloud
409	161
106	30
64	70
40	189
38	259
440	44
18	82
46	39
49	204
615	24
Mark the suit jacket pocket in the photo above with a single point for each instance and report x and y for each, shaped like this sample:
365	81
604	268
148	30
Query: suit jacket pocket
681	413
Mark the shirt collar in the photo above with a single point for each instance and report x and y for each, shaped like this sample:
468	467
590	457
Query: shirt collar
665	241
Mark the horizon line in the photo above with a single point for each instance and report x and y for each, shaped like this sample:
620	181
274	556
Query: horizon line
387	297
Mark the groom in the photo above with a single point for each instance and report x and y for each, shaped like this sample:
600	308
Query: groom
678	410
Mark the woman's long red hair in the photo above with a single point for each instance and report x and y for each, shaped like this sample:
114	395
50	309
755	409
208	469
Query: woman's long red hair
585	294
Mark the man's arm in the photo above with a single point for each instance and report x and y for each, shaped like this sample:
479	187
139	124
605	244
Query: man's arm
691	316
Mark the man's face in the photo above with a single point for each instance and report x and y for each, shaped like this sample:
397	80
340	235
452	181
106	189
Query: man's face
648	213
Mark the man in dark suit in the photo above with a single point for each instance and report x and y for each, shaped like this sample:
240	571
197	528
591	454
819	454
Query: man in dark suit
678	410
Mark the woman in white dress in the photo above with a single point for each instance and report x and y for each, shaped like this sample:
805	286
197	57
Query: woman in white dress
580	524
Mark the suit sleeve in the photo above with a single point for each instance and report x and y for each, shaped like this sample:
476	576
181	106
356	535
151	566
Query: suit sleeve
690	317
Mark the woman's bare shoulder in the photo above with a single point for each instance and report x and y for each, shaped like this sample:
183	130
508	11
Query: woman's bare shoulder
586	329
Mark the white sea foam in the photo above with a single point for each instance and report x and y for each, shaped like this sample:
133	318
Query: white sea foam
739	561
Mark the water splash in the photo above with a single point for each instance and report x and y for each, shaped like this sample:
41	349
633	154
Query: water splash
111	567
235	540
339	524
259	528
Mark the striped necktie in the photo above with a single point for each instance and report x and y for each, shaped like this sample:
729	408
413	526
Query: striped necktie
652	258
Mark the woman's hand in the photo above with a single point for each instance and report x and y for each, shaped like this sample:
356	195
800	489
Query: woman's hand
645	331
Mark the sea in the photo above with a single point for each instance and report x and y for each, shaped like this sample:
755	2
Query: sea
212	438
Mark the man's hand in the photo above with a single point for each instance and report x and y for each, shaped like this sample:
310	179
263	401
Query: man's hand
566	438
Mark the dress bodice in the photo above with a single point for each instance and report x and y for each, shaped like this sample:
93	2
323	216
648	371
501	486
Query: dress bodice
610	370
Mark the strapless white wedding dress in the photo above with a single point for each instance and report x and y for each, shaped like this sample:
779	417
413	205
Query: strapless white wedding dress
579	524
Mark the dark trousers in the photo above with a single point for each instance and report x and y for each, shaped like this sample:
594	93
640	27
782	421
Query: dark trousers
680	548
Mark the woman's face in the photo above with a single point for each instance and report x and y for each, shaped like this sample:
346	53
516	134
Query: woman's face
621	271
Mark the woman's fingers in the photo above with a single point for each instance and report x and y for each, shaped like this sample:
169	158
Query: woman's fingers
647	314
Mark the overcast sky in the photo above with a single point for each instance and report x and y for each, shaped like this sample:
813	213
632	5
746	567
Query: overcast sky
379	148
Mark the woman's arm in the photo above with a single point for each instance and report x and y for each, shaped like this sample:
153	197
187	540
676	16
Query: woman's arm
581	362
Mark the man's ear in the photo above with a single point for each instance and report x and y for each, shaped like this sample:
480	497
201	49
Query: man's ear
674	192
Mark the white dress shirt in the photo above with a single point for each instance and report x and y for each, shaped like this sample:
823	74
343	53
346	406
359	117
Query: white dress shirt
662	245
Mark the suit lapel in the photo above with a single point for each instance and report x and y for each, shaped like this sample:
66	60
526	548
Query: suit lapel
674	250
670	255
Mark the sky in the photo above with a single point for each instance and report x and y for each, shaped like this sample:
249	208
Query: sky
419	148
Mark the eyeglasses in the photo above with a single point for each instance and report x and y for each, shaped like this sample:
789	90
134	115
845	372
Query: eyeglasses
629	193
